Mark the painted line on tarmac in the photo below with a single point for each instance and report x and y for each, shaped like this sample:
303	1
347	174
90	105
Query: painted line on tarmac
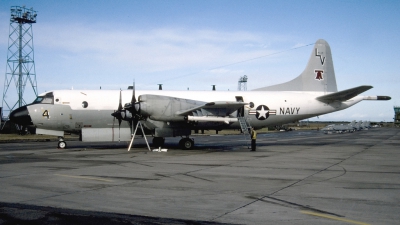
333	217
84	177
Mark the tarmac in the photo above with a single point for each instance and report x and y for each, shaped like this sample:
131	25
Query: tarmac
298	177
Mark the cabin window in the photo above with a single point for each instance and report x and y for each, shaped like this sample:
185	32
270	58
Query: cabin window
251	104
85	104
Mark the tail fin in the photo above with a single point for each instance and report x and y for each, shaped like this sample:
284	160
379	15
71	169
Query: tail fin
318	76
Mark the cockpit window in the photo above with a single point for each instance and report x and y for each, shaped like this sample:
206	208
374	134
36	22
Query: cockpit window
38	100
47	99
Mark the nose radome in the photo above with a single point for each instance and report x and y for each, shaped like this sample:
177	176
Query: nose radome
21	116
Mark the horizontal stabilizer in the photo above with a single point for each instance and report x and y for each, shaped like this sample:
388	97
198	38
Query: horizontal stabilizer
344	95
384	98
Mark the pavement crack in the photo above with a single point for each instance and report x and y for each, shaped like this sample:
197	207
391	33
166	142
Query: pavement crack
286	203
197	177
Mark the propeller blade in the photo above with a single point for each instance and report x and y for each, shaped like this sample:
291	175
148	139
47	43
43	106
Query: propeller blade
131	107
113	126
120	101
112	114
119	121
120	115
119	131
133	94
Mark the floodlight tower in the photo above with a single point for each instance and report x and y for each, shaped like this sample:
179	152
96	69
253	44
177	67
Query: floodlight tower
242	83
20	59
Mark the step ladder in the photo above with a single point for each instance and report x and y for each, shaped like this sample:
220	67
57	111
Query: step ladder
245	128
134	134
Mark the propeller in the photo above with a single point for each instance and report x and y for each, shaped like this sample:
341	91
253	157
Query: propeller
134	108
129	112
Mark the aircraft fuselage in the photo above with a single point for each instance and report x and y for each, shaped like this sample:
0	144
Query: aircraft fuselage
74	110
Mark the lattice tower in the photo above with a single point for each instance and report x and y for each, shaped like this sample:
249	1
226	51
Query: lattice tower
20	70
242	83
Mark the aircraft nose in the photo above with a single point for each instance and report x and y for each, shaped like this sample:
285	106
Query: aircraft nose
21	116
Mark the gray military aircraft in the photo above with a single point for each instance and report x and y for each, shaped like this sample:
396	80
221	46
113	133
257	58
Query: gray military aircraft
358	125
365	125
93	113
340	128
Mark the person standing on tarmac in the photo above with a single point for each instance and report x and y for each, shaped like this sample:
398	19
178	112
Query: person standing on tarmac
253	139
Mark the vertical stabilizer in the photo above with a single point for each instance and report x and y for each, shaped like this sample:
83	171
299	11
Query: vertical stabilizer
318	75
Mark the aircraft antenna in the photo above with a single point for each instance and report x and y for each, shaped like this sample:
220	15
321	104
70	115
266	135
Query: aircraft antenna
20	69
242	83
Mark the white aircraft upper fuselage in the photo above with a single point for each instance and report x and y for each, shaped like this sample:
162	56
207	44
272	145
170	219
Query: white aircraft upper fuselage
177	113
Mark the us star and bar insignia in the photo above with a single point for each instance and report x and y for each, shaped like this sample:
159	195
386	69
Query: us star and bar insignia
262	112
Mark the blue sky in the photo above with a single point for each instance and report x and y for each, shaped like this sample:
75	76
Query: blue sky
186	44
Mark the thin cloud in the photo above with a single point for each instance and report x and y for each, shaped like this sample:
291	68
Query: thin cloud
151	50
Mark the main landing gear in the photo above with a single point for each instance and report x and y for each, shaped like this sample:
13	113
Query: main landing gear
186	143
61	143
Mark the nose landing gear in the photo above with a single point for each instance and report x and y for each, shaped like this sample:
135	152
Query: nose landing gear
61	143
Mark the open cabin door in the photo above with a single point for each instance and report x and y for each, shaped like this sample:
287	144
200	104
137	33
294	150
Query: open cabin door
240	111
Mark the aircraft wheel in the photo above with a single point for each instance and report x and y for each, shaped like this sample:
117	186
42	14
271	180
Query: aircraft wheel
186	143
62	144
158	142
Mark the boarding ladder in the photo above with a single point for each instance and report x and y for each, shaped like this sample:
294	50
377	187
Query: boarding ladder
245	128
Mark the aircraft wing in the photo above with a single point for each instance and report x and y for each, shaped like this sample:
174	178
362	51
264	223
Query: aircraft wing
212	107
344	95
166	108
